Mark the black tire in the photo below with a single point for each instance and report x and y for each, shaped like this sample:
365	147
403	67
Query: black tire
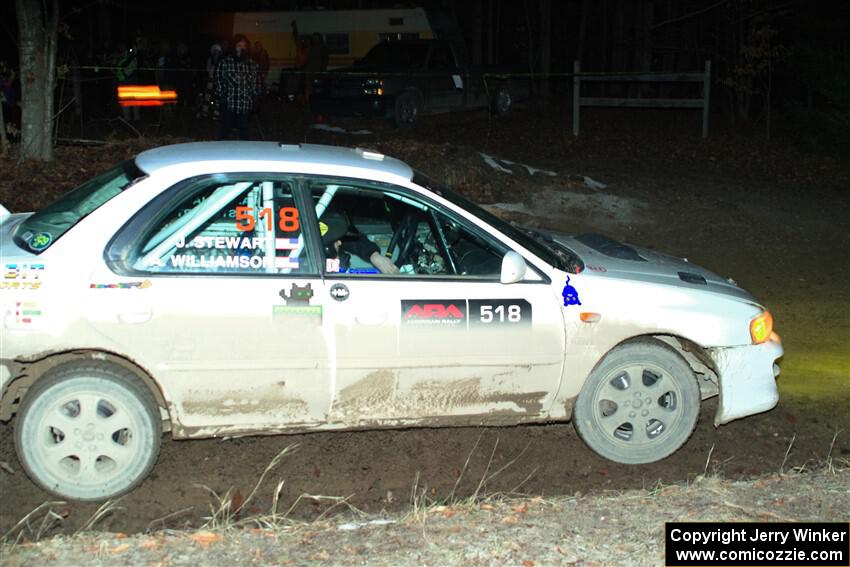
88	431
639	405
406	111
503	101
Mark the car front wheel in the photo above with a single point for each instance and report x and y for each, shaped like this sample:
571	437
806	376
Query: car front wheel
639	405
407	108
88	430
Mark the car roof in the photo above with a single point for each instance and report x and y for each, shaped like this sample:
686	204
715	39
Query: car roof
314	154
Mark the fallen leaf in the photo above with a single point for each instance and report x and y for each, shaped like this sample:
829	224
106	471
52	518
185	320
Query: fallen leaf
521	509
120	549
119	535
149	543
510	520
5	466
204	539
528	563
321	556
237	501
448	513
486	506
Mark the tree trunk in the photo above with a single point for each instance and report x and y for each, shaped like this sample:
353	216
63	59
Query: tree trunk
545	46
531	49
37	32
477	32
582	30
4	142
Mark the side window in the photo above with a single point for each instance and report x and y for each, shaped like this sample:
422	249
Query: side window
378	230
228	226
442	58
337	43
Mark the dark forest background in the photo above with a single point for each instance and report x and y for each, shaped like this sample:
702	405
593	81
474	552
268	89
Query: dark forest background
768	56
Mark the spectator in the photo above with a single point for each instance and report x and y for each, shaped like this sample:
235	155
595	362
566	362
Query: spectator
9	99
261	58
184	78
317	62
236	88
125	61
208	104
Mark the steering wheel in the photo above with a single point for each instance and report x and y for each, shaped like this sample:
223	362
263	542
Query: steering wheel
404	237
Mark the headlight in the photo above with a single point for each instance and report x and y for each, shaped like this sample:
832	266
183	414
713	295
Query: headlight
373	87
761	327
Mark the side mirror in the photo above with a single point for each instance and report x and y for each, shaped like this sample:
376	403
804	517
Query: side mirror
513	268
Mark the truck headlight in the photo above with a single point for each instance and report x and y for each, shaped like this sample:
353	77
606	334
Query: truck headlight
374	87
761	327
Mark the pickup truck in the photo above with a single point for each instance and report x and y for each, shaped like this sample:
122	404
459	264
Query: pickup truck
405	79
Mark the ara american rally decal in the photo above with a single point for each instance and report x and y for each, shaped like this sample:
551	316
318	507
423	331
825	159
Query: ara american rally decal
442	312
460	313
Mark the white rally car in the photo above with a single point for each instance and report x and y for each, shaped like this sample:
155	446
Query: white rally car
223	289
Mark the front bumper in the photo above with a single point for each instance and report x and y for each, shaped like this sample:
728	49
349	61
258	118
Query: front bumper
343	106
747	376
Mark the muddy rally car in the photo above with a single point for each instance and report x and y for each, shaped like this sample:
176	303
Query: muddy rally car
238	288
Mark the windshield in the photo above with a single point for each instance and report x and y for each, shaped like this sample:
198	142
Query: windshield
538	243
396	54
41	229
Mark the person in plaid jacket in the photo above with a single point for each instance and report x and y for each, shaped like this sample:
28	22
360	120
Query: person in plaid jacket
237	88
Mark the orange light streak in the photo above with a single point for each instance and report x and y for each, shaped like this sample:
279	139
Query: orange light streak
145	95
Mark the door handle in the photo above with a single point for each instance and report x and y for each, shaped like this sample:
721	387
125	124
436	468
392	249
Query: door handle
135	316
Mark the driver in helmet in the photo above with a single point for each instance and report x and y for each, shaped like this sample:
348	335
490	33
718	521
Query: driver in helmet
339	244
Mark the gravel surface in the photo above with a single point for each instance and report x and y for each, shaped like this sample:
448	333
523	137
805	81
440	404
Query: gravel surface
600	529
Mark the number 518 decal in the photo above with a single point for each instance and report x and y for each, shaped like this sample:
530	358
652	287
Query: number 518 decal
499	312
288	219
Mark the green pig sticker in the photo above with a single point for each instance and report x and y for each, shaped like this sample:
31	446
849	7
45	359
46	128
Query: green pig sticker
40	241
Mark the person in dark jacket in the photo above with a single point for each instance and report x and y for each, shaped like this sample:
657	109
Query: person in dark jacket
236	87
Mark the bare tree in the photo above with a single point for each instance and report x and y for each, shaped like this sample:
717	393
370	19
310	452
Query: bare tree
38	24
545	45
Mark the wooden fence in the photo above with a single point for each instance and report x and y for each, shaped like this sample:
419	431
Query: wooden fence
701	102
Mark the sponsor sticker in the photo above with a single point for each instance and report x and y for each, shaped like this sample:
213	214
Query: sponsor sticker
570	294
339	291
40	240
144	284
434	312
26	312
332	265
297	301
22	275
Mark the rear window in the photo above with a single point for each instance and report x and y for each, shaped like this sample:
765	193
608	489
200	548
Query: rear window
396	54
44	227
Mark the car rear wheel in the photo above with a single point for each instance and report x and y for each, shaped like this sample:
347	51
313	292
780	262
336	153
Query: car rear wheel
639	405
88	431
407	108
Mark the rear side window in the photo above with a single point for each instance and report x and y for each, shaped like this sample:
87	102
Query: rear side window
44	227
220	225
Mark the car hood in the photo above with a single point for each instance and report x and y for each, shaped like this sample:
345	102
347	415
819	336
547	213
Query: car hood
363	71
606	257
